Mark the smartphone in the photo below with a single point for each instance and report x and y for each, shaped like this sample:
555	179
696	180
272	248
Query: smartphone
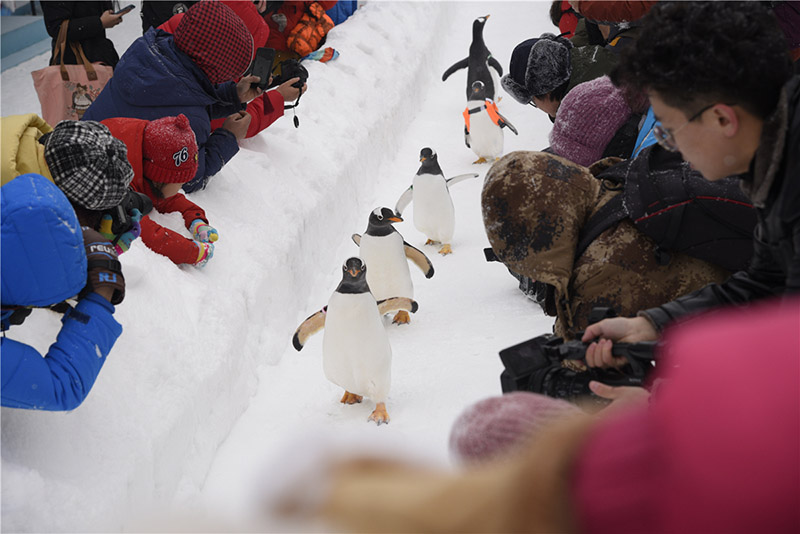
262	66
124	10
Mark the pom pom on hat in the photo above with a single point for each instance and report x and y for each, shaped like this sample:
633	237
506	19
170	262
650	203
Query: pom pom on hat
170	150
88	164
216	39
494	426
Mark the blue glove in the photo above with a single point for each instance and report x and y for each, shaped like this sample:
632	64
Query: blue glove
124	241
202	232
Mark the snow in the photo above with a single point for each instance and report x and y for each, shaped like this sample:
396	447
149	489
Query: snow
204	389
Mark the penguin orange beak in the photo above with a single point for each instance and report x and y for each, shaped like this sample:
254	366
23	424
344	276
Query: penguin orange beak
423	158
396	219
487	16
353	272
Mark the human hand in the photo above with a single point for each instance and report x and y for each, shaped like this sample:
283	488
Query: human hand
205	253
109	19
289	93
621	397
104	272
124	241
237	124
246	90
623	329
202	232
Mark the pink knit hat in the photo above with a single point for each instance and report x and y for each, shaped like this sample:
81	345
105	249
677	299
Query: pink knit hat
169	148
494	426
587	119
216	39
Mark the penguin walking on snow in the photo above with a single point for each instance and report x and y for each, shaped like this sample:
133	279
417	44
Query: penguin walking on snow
356	354
478	62
434	214
483	125
387	254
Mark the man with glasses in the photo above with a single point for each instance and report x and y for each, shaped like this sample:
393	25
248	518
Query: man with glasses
719	79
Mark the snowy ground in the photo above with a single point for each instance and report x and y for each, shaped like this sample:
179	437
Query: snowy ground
204	388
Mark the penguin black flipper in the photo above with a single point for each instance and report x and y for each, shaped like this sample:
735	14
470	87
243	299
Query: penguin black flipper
397	303
404	200
466	137
419	258
460	178
496	65
356	239
308	328
463	64
504	123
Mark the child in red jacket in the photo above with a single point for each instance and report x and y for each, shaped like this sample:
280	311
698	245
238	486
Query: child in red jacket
163	154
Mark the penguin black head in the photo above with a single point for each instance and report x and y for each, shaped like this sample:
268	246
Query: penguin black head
430	162
354	277
380	221
477	26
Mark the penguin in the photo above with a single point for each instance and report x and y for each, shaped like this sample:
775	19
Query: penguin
483	125
434	214
384	250
478	62
356	354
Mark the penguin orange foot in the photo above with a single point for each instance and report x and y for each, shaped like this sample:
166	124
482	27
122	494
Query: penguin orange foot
479	160
401	317
445	250
431	242
379	415
350	398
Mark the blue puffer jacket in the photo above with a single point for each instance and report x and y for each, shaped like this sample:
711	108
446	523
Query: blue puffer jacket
153	80
43	262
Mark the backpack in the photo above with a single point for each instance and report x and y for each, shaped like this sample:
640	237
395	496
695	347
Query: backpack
679	209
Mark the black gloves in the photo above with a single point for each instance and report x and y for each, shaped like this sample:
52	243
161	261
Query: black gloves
104	270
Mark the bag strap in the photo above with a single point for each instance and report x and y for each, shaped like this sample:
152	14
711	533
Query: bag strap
61	39
610	213
77	49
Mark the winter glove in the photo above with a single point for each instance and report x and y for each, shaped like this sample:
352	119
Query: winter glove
202	232
104	269
205	253
123	242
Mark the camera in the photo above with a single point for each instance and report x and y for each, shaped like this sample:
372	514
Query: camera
550	366
121	214
290	68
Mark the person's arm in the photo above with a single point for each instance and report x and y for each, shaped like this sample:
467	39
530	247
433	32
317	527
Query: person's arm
63	378
180	250
79	29
264	111
227	101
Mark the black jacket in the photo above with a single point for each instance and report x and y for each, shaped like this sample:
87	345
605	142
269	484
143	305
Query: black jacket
84	27
773	185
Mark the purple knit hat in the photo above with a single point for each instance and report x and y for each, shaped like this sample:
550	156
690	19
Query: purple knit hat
587	119
494	426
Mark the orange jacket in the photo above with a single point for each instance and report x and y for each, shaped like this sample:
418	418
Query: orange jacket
177	248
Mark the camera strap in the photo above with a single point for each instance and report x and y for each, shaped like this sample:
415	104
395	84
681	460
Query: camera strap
295	120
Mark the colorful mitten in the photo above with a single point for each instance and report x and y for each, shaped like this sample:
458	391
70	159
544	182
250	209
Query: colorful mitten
123	241
202	232
205	253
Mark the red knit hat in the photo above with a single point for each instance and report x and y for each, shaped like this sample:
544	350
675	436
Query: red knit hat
216	39
170	150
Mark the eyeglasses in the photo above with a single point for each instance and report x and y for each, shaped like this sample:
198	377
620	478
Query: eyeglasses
666	139
532	103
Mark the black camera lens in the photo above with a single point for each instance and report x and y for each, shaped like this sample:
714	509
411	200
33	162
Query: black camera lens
121	214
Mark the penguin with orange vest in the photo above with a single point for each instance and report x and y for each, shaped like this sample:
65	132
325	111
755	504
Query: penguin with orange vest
483	125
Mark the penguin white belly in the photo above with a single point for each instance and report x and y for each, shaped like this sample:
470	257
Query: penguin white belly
486	138
356	354
388	274
434	214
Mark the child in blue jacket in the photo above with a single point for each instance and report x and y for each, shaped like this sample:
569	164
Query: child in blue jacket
44	261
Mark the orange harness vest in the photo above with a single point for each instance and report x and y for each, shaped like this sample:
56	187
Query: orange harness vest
490	108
